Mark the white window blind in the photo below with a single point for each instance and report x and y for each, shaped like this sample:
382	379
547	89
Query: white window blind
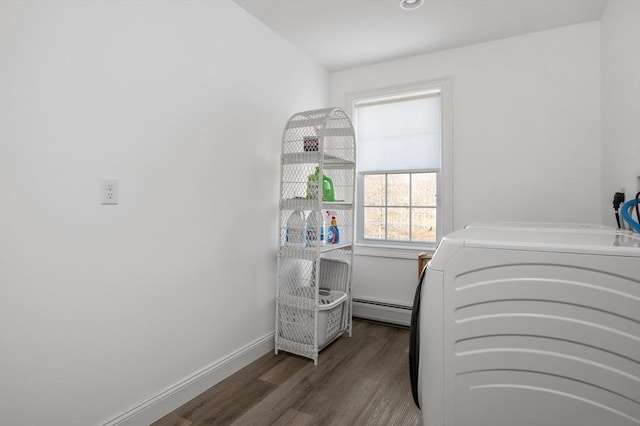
399	133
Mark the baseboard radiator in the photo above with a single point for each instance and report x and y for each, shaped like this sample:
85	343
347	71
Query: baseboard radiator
381	311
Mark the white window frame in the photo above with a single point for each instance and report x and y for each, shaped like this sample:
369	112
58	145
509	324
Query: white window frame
444	215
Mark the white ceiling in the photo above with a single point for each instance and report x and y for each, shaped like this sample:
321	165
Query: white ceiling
341	34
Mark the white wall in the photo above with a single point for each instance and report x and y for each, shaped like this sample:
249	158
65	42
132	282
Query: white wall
102	307
620	27
526	134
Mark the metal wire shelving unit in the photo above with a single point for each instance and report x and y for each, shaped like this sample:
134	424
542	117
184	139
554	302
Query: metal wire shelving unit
313	301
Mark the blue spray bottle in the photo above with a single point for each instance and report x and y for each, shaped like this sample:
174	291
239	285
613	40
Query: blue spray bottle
333	233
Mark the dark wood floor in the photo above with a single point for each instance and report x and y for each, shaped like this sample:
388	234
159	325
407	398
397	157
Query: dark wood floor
362	380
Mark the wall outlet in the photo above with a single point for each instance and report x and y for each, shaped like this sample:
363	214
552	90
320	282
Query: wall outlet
109	190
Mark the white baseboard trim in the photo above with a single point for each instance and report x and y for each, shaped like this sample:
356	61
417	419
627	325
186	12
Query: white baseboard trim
383	312
174	396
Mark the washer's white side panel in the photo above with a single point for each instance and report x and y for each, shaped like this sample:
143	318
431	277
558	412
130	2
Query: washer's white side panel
535	338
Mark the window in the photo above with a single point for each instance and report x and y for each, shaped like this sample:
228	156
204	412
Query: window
400	206
401	141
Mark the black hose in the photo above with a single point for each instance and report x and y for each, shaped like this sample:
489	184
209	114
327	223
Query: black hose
414	341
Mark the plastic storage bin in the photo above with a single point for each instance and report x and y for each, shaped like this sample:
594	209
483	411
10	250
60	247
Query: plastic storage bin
334	273
330	315
297	323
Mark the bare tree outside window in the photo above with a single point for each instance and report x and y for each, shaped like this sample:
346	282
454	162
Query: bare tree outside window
400	206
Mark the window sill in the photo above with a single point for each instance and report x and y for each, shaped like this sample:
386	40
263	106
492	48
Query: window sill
389	251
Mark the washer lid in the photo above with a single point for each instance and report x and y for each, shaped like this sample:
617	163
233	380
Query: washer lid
557	238
542	226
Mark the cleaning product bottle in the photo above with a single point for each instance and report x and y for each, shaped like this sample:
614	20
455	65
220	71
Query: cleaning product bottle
328	191
315	229
312	184
295	232
333	234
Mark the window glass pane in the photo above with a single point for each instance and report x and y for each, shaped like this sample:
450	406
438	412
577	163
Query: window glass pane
398	190
423	224
398	224
374	223
374	190
399	135
423	189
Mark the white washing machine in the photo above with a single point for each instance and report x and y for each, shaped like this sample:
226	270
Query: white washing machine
529	325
